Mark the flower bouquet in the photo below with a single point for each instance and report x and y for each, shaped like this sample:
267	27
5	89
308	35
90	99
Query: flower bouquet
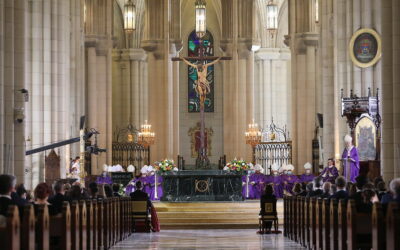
237	166
166	166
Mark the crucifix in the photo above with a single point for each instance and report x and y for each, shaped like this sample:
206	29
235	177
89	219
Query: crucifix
202	89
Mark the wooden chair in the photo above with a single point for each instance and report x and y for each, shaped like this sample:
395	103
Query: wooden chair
378	227
270	215
27	235
326	224
10	232
140	212
359	228
74	225
312	225
393	226
342	225
334	235
318	224
60	229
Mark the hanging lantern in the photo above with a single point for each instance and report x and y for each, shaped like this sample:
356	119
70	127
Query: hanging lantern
130	16
200	18
272	16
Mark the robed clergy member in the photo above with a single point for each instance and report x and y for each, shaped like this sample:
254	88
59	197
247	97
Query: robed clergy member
307	176
257	182
330	172
289	179
155	184
275	181
350	160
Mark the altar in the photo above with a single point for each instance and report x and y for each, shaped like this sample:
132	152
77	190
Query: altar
202	185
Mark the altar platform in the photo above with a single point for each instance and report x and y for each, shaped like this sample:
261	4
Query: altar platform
211	215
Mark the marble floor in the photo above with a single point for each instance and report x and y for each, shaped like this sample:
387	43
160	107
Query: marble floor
245	239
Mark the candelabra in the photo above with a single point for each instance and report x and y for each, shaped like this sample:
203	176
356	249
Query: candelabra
253	137
146	137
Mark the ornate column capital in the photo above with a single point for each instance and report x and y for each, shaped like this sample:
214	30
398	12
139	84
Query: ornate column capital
154	46
301	41
282	54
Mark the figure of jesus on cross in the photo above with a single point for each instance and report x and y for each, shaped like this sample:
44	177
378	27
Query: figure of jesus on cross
202	89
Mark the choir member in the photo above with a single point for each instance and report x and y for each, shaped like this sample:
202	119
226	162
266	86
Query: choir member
257	181
351	165
330	173
307	176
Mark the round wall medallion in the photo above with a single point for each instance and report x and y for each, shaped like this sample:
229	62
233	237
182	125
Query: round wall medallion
365	48
202	186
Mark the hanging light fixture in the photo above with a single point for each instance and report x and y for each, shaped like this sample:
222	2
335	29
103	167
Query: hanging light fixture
316	11
272	17
146	137
200	18
130	16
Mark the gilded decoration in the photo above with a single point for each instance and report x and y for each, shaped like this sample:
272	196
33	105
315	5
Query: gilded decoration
365	48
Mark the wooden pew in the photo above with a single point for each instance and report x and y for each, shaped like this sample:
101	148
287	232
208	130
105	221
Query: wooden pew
318	224
124	223
312	223
60	229
82	225
393	226
74	225
326	224
300	221
89	224
342	225
106	224
10	232
334	235
306	227
289	216
378	227
100	224
294	218
42	227
93	227
27	234
285	217
359	228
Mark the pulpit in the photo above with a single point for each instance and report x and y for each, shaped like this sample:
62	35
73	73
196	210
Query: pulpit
202	185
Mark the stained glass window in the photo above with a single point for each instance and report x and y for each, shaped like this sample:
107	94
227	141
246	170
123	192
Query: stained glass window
194	50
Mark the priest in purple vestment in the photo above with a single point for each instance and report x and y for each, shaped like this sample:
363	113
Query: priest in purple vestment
330	173
288	180
276	181
155	184
350	160
257	182
307	176
104	178
144	179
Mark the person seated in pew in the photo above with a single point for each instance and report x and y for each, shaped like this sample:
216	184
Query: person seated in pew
317	187
94	191
58	198
115	188
341	192
19	196
309	189
330	173
381	189
268	197
361	180
42	193
326	188
369	197
139	195
108	190
333	189
304	189
7	185
308	175
297	190
395	188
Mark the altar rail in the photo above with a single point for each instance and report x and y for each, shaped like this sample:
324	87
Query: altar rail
331	224
125	154
268	153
